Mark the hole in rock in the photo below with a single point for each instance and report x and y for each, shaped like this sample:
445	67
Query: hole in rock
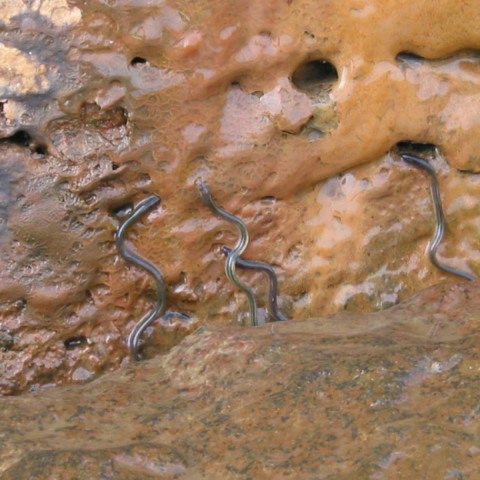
23	139
122	210
20	137
74	342
114	166
418	148
269	198
409	57
138	61
41	150
315	76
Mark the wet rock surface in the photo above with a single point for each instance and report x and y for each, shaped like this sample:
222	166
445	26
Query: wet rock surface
292	111
383	395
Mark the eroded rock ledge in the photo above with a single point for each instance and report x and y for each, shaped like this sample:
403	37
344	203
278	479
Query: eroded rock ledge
383	395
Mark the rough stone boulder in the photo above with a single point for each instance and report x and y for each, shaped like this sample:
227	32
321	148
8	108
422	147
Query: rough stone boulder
387	395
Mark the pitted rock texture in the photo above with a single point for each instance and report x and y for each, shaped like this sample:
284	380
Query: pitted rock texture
293	112
385	395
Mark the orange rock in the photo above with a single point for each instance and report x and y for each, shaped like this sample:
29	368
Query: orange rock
390	394
292	111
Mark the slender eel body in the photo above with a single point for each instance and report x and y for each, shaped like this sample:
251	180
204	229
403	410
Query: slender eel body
157	311
150	316
239	248
440	217
273	284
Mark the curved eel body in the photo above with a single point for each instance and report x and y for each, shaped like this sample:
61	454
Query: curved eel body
273	284
440	217
239	248
141	208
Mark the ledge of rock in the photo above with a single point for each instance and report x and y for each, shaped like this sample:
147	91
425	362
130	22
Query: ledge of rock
383	395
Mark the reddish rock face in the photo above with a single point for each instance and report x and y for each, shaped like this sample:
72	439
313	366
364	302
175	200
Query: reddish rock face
385	395
291	111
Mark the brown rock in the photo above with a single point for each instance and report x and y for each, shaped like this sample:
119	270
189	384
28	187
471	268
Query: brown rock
370	396
290	110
